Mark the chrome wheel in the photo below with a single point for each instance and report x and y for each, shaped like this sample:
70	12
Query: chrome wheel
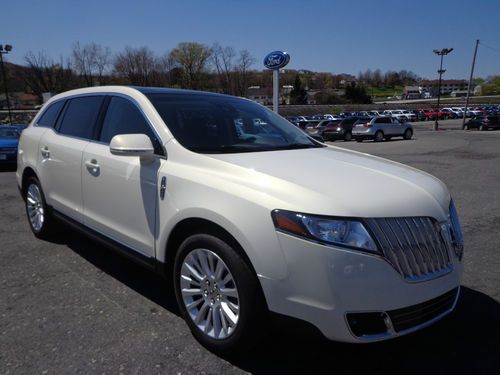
34	206
209	293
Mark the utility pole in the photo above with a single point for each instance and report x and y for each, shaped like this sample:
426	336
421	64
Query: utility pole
470	83
5	49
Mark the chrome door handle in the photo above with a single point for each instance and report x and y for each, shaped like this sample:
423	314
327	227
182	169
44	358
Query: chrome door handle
92	165
45	152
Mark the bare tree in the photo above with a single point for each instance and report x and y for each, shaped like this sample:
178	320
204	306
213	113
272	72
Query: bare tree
139	66
245	61
91	62
222	59
42	74
192	58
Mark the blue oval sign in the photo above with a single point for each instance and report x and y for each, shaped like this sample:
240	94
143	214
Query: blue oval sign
276	60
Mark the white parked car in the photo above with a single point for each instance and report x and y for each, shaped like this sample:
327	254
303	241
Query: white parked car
397	114
244	222
410	116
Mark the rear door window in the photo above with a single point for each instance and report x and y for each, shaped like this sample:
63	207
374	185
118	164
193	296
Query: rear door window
49	116
80	116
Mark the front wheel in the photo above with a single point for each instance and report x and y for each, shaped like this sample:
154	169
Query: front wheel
408	134
379	136
218	294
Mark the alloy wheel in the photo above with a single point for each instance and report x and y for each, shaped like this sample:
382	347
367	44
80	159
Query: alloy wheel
34	206
209	293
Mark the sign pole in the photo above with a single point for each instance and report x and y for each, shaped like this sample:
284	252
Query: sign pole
276	89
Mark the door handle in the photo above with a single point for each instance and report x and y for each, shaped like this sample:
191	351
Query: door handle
92	165
45	152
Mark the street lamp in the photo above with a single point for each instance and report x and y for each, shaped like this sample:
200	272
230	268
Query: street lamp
5	49
440	52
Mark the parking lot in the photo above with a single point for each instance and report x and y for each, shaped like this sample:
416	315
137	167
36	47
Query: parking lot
75	307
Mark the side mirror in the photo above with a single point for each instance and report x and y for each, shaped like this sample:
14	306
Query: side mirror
131	145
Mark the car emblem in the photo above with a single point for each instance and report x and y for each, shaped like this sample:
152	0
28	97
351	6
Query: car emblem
276	60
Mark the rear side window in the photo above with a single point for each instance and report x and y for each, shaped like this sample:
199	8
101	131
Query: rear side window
49	116
80	116
383	120
123	117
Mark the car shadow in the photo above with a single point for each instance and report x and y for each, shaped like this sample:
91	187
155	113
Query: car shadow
8	167
467	341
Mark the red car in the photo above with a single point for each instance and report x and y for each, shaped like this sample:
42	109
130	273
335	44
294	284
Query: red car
430	114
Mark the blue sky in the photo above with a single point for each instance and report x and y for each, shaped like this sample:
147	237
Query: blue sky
330	36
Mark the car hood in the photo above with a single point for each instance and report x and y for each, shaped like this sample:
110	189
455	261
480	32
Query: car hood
9	142
339	182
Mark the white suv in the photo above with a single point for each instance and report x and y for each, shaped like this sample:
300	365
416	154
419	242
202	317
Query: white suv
243	218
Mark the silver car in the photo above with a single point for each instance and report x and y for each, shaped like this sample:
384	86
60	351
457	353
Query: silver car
380	128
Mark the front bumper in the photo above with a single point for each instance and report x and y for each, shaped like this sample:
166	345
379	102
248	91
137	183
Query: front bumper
325	284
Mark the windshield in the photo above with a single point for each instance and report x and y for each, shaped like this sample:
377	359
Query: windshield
9	133
219	124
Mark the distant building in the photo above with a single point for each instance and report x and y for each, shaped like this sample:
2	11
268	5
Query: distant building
261	95
447	86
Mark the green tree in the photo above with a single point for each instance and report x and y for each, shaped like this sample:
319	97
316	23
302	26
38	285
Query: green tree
298	95
357	94
192	58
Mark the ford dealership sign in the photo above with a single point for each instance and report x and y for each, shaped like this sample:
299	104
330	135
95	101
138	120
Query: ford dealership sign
276	60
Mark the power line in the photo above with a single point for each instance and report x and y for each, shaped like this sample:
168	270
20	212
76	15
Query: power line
490	47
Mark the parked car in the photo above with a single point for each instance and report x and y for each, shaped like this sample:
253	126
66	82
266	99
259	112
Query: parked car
419	115
410	116
374	113
449	113
483	122
398	115
336	130
380	128
244	225
9	139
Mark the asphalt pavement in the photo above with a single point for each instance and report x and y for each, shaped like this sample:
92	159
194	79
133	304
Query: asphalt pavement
72	306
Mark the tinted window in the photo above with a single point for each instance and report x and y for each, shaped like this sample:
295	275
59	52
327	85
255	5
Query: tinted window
80	116
49	117
383	120
123	117
223	124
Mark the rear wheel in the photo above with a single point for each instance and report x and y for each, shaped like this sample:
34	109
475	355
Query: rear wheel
379	136
408	134
347	137
39	218
218	294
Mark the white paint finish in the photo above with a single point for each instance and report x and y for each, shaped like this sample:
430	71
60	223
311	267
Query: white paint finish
120	196
61	172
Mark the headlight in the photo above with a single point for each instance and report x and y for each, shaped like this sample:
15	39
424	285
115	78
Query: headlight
337	231
457	239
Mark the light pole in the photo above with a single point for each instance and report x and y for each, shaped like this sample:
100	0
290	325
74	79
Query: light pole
440	52
5	49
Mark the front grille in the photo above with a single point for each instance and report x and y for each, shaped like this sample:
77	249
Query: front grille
414	246
415	315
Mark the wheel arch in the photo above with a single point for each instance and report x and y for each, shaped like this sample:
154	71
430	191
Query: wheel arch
27	173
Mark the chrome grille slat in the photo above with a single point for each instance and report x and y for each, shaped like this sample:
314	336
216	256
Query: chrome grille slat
414	246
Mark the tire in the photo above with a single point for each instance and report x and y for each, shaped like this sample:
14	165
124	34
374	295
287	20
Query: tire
347	137
39	218
482	128
379	136
224	281
408	134
466	127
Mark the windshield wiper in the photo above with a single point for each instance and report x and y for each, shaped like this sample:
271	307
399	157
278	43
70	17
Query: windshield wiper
296	146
